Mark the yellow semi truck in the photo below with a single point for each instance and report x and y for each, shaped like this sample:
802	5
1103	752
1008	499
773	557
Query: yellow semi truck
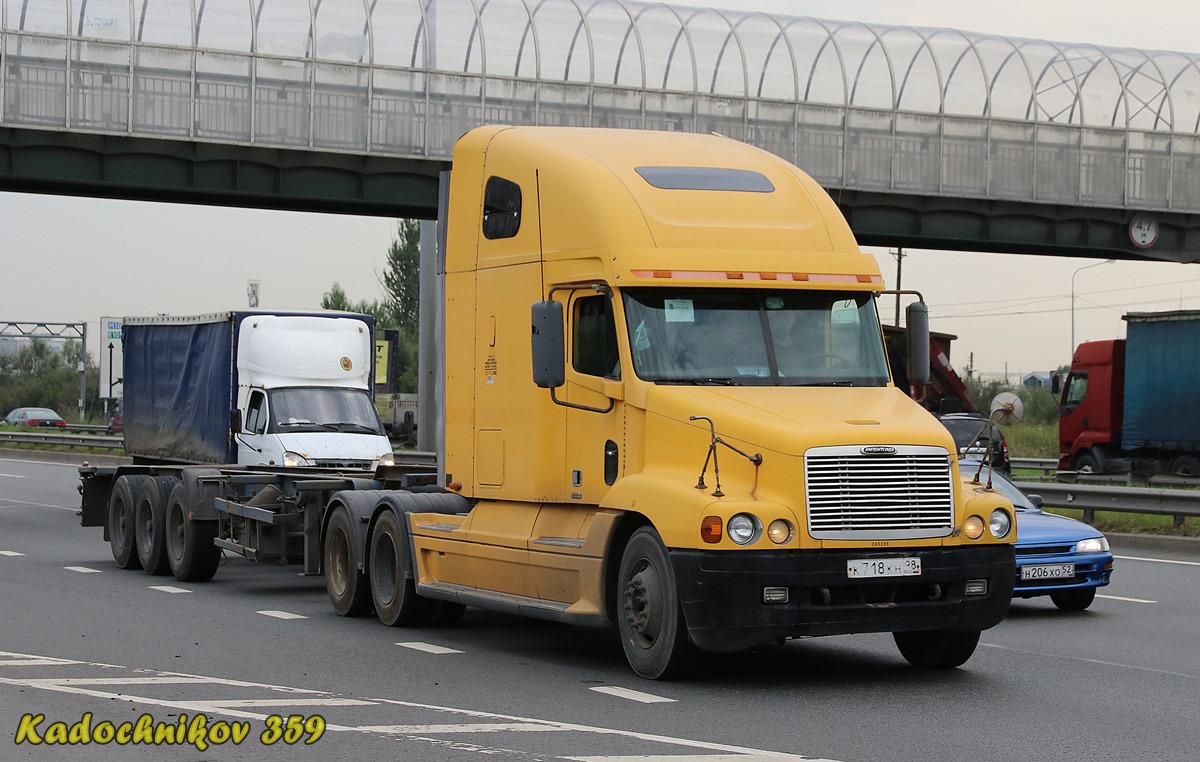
665	405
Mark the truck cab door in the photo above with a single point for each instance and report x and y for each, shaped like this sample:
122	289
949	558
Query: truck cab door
596	417
1073	411
252	438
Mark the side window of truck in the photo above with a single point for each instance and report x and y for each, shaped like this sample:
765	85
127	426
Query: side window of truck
594	338
1075	392
501	208
256	418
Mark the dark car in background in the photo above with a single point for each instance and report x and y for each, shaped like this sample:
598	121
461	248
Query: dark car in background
1057	556
35	416
973	433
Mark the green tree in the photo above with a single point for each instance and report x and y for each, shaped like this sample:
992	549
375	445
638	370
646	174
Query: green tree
37	375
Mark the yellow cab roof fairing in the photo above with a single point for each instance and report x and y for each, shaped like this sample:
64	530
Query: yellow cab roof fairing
585	183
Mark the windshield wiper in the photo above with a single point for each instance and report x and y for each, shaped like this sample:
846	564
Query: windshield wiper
715	380
351	426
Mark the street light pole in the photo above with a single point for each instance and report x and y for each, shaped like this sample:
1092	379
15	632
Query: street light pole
1094	264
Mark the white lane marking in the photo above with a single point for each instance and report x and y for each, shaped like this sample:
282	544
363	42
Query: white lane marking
14	476
82	569
1158	560
35	662
625	693
169	589
428	648
40	462
282	614
145	680
10	553
1101	662
480	727
231	703
1120	598
690	758
740	753
37	505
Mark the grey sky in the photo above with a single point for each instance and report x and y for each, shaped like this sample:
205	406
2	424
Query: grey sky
72	260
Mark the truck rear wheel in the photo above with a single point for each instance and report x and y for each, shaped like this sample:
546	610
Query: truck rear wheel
348	588
1186	465
394	594
121	522
936	649
190	550
150	520
651	624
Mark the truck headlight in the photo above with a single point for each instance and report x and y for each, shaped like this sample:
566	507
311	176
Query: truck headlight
293	459
1000	524
388	460
744	529
1092	545
973	527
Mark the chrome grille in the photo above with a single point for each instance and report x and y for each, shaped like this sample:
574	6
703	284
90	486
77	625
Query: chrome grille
857	496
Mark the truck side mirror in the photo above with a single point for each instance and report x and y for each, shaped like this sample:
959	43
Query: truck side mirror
549	346
1056	384
917	317
235	421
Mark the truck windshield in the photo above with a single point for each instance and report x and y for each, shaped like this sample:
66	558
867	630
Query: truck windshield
323	409
755	337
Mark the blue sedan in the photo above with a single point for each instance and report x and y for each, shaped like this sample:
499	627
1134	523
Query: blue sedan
1056	556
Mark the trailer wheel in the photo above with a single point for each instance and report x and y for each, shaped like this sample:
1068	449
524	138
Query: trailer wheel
652	627
190	550
150	520
348	588
1074	600
394	594
936	649
121	522
1186	465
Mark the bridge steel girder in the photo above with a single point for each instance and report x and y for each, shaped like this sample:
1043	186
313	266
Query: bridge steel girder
149	169
1013	227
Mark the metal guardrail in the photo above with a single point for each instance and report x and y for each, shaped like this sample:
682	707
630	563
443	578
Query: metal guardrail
1045	465
1178	503
63	440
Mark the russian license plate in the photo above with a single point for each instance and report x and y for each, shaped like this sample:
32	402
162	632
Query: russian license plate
1048	571
883	567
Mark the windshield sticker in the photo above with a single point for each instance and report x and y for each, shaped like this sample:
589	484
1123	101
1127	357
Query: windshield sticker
679	311
641	337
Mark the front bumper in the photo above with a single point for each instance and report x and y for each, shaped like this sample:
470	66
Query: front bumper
722	593
1091	570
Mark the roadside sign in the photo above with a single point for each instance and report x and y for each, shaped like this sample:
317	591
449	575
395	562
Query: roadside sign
112	358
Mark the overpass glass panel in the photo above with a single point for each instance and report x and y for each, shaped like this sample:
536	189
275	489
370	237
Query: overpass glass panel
342	31
670	62
224	25
163	22
564	45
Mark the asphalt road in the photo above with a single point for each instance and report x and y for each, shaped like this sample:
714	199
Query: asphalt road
260	644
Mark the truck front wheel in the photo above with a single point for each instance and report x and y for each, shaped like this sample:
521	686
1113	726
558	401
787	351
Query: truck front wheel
936	649
191	553
348	589
394	594
1086	463
121	522
651	624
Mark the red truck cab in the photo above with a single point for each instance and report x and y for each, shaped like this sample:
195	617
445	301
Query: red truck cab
1089	425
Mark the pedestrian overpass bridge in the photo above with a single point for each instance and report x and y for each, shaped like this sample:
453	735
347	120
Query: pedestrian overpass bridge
926	137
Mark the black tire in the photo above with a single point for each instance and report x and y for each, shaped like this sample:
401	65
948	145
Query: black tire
121	507
150	521
348	588
651	623
189	546
1186	465
936	649
392	591
1074	600
1085	463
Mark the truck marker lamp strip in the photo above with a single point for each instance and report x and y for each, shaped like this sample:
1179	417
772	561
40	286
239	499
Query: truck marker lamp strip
757	276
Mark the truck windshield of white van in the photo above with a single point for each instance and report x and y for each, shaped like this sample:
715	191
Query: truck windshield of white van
759	337
322	409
